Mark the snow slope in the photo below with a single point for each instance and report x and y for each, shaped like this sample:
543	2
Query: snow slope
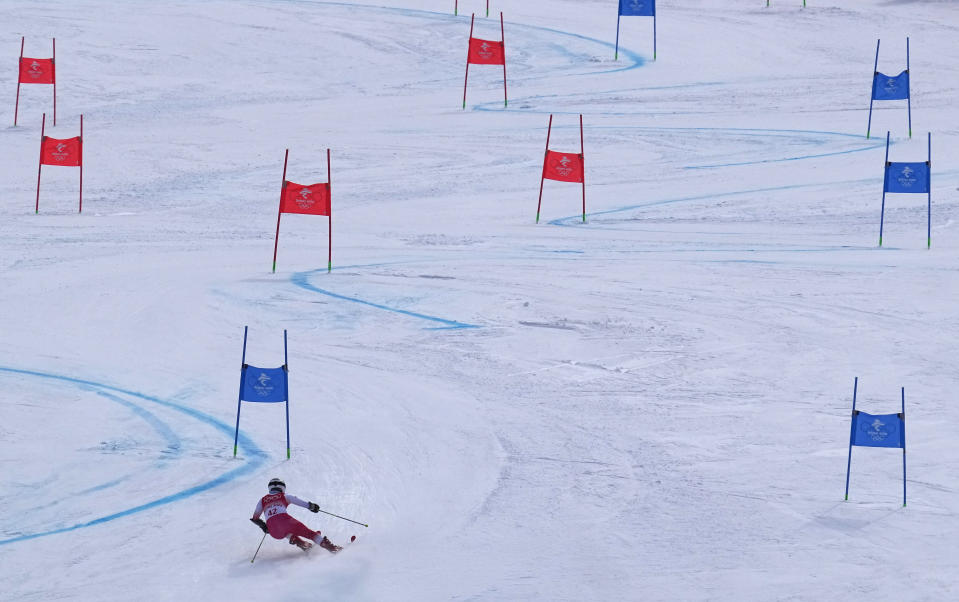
653	405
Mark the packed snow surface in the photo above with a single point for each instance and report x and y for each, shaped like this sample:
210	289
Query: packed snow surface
651	405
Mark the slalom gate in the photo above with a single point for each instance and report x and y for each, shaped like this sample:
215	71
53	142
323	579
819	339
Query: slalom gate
885	87
563	167
877	430
908	178
263	385
486	52
311	199
65	152
37	71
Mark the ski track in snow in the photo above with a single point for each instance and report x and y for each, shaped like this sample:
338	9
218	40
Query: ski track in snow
301	280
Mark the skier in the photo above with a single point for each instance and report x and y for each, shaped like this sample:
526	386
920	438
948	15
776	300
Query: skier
281	525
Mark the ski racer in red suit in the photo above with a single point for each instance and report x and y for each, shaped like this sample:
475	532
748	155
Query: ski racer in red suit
281	525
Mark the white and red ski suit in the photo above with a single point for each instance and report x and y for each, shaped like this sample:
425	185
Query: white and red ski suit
281	524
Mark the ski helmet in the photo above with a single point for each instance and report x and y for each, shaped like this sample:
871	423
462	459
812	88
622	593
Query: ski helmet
276	485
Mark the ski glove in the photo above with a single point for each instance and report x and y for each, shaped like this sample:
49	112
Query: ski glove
314	508
259	523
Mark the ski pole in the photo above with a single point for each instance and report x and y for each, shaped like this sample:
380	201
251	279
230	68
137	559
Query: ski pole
344	518
257	549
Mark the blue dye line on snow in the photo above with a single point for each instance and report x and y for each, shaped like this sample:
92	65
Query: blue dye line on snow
492	105
181	495
796	158
636	59
253	454
172	448
172	441
762	133
746	261
574	220
301	279
103	486
755	132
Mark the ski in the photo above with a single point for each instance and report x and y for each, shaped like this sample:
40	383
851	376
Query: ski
302	544
340	548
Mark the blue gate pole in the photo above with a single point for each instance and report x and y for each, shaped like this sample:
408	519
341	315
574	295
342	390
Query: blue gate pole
885	171
239	397
929	189
852	432
909	95
903	447
872	89
286	368
618	16
654	30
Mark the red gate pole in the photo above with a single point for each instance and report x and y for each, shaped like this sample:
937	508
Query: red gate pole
582	160
81	164
503	43
468	61
43	128
329	198
54	82
279	211
543	175
16	107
